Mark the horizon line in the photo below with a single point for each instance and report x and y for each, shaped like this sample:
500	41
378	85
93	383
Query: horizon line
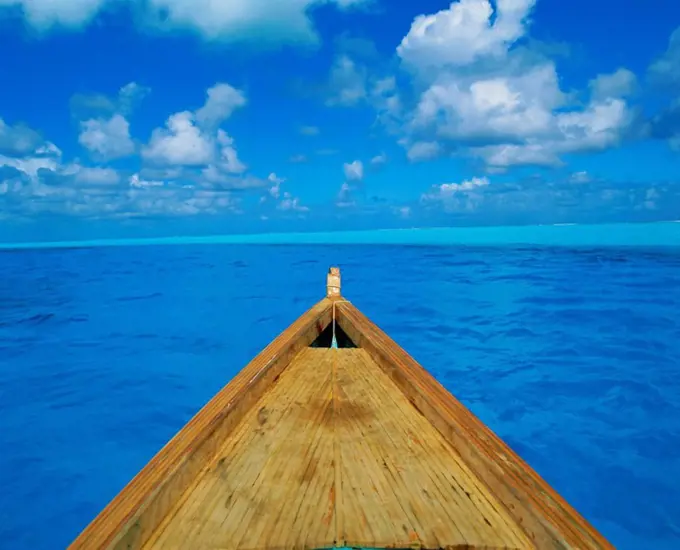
569	234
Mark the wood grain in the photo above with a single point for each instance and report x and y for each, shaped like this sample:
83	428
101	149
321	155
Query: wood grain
317	447
403	484
548	520
336	424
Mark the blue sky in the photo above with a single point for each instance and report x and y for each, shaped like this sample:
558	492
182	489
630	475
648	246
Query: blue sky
167	117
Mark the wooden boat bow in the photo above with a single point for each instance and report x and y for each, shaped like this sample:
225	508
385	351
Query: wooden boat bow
316	447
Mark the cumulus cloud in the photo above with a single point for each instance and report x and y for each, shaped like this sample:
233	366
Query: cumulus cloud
556	198
181	142
479	91
379	160
96	175
88	106
190	166
283	201
423	150
580	177
222	101
664	73
44	14
290	203
194	139
18	139
618	84
348	82
137	182
107	139
45	185
445	191
261	20
354	171
463	33
275	190
345	197
352	83
665	70
466	196
665	125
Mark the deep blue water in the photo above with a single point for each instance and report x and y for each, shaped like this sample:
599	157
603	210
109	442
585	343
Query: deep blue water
570	355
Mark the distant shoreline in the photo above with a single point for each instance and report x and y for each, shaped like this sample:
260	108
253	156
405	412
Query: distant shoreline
656	234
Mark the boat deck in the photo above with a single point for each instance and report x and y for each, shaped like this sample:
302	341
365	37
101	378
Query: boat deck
334	454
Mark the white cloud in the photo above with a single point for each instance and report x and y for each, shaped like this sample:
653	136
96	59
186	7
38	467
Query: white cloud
30	165
194	139
18	139
43	14
423	150
477	94
181	142
288	202
229	160
107	138
464	33
130	95
97	192
354	171
40	182
379	160
512	106
275	190
309	131
95	175
344	198
222	101
595	128
618	84
46	156
464	196
580	177
136	181
88	106
527	154
258	20
291	203
403	211
666	69
446	189
347	82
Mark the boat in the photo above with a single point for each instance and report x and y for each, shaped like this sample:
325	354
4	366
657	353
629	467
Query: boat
333	436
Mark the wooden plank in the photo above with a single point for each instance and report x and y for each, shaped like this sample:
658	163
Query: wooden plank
137	511
272	490
546	518
335	418
312	448
405	479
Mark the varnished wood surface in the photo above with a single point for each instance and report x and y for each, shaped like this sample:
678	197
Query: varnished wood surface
334	454
312	447
546	517
135	513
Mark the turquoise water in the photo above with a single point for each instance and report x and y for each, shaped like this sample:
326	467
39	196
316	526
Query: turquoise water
569	353
638	234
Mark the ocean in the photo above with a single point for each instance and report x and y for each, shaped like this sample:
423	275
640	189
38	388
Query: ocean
569	353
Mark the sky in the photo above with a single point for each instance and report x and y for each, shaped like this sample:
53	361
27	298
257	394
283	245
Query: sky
124	118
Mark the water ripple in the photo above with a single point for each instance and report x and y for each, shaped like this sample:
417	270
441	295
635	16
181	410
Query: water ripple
571	355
